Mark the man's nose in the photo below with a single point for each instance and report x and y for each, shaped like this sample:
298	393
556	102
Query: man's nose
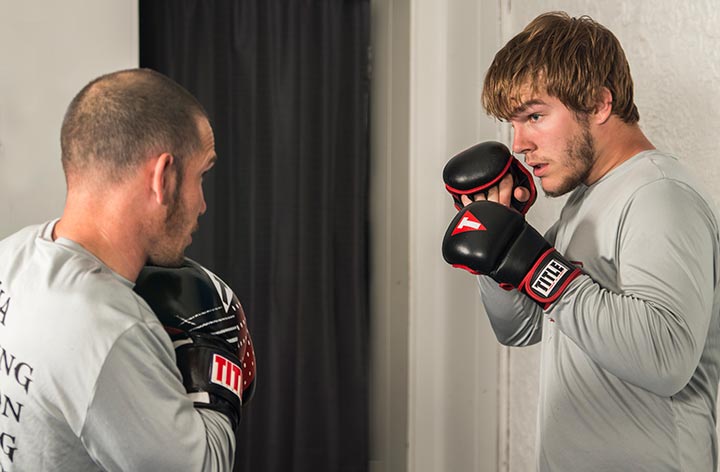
520	145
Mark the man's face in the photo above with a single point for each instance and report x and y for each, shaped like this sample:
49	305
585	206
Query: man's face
186	203
557	143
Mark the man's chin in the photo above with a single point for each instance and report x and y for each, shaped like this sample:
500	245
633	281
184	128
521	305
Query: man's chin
166	260
554	193
558	189
551	192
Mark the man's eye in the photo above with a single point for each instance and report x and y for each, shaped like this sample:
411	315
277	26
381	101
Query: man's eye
534	117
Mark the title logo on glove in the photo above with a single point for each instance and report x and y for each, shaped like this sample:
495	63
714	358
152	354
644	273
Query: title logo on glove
548	278
226	374
468	223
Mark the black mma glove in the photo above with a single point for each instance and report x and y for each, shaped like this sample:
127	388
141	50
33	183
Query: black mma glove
207	324
483	166
491	239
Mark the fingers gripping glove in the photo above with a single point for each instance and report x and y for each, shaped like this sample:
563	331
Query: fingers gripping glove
491	239
481	167
207	324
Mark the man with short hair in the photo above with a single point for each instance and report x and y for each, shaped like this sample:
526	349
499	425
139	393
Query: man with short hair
623	291
88	373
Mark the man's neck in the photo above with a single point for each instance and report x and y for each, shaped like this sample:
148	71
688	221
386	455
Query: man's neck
109	230
615	143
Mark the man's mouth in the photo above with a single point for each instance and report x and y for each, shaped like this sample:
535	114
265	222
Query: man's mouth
539	170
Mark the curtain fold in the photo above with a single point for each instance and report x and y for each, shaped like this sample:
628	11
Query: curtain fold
286	86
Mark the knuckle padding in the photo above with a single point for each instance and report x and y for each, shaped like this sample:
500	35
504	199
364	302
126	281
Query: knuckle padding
487	248
477	168
481	167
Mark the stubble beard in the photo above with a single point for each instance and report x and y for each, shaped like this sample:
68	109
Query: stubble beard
169	250
579	158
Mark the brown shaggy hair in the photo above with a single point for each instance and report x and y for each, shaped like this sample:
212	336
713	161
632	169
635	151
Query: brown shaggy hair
567	58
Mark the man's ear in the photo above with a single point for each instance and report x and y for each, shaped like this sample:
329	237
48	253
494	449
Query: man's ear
603	106
163	177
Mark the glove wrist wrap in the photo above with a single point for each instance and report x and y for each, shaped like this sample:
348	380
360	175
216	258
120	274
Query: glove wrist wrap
548	278
211	374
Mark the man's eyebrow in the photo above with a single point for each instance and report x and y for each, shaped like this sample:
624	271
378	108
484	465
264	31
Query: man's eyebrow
525	105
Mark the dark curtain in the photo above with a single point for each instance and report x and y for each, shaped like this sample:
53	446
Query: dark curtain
286	86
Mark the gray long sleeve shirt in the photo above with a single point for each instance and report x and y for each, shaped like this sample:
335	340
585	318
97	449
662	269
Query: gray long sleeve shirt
631	351
88	379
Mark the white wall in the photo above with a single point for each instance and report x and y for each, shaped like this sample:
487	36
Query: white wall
49	50
435	397
453	353
389	236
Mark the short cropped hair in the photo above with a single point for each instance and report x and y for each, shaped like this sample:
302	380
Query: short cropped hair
118	120
568	58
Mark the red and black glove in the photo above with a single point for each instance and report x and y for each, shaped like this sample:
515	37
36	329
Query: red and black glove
483	166
491	239
207	324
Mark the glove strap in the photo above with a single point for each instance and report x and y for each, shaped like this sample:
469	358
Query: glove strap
548	278
211	374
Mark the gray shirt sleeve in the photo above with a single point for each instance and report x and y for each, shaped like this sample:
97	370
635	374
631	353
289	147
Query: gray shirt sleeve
651	331
141	419
515	319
